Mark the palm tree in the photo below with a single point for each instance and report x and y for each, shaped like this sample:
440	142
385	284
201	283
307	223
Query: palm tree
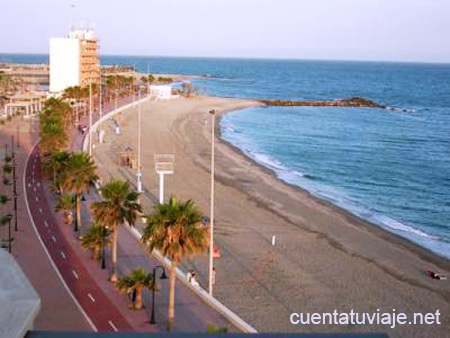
54	121
120	204
174	229
65	204
95	238
138	279
61	108
211	329
55	165
78	176
53	136
4	199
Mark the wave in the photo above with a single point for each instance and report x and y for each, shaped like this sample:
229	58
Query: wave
266	160
398	226
401	110
339	196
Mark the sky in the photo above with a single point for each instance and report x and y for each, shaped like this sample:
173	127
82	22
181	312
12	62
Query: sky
383	30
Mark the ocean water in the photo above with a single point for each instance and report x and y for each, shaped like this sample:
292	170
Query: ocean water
391	167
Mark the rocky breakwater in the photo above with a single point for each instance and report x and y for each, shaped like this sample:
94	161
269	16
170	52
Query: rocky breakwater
352	102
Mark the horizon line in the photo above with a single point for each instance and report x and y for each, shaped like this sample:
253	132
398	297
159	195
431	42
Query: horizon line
249	58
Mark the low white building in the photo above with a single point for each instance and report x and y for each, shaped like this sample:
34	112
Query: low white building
27	104
160	92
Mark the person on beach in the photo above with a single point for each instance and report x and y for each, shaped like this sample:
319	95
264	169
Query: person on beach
192	278
189	275
194	281
436	275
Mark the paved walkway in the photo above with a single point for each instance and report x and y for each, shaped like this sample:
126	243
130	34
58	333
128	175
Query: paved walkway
103	304
90	296
58	309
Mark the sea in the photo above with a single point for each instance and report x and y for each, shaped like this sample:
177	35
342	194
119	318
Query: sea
388	166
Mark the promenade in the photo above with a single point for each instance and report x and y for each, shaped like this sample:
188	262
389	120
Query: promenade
103	308
58	311
323	258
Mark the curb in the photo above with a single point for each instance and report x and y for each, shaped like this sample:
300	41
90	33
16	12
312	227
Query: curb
107	116
77	304
199	291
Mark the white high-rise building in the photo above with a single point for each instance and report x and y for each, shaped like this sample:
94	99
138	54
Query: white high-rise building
74	60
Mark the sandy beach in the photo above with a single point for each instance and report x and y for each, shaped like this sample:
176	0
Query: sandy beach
324	259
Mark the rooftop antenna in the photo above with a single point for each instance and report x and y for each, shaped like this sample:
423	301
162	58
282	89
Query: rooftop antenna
72	19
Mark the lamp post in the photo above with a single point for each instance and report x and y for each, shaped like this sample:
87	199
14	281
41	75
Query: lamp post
115	92
139	173
211	222
90	116
100	94
104	234
9	217
163	276
14	177
15	195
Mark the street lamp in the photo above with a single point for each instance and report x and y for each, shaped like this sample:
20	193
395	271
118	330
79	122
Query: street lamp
100	93
139	173
14	177
90	116
9	217
211	222
18	136
15	195
104	234
163	276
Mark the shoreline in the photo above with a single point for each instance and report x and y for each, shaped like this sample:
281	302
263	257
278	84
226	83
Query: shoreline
426	253
324	259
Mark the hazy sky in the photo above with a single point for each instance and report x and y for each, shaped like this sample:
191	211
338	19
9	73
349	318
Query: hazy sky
396	30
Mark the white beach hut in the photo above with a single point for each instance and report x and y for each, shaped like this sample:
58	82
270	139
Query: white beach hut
161	92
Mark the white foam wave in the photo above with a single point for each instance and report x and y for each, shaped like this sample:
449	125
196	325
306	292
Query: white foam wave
340	198
398	226
401	110
267	161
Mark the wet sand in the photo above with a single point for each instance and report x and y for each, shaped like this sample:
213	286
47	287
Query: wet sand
324	258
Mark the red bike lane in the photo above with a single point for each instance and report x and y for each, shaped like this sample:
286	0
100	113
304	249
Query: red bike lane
99	309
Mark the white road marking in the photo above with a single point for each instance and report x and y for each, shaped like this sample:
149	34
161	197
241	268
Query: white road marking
33	224
37	199
75	274
35	191
46	224
92	298
54	239
112	325
40	210
63	255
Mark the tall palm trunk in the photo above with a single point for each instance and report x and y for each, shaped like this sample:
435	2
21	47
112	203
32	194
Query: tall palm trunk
115	233
77	212
96	252
172	280
138	302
